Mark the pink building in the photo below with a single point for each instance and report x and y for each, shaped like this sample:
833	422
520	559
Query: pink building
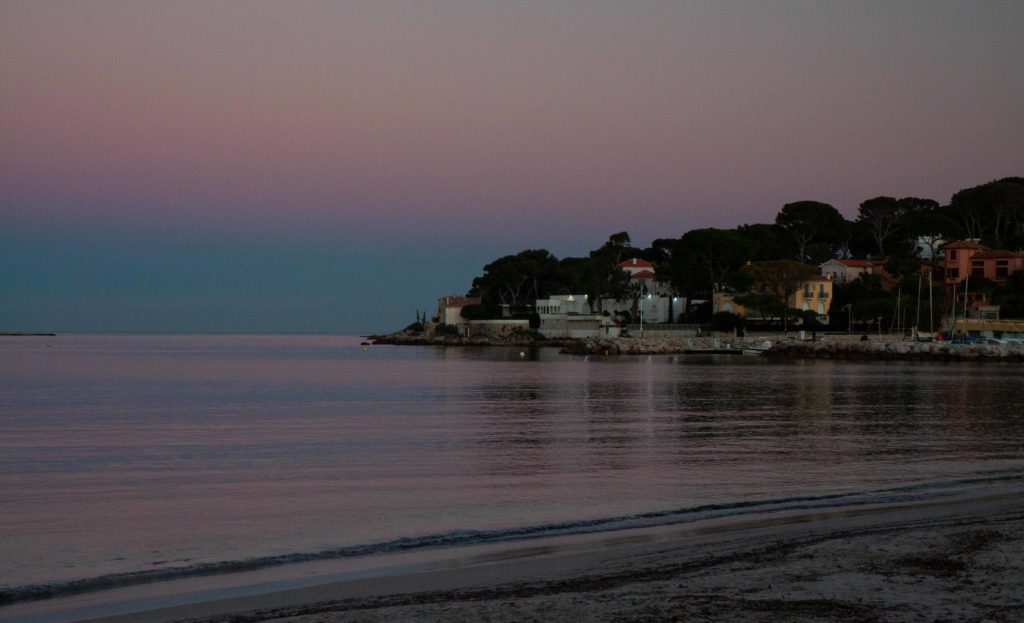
967	257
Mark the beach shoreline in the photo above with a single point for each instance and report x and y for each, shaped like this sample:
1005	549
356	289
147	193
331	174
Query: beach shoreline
955	560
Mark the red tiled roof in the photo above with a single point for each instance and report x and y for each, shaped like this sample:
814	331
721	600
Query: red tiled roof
643	274
852	263
965	244
991	254
635	262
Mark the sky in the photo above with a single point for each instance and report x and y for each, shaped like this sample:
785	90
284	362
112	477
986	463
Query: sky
263	166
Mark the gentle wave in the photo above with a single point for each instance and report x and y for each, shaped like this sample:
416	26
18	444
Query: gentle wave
906	493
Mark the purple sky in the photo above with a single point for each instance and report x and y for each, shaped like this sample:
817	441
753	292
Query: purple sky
381	152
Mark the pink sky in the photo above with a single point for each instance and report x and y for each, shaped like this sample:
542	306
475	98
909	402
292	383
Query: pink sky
506	124
373	113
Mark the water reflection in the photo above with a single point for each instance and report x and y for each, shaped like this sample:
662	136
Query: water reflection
311	441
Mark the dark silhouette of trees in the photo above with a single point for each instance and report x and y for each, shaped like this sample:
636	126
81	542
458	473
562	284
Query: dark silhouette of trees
811	221
882	217
757	258
993	212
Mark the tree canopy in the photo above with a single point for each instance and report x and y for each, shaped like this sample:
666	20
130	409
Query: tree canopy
758	259
811	221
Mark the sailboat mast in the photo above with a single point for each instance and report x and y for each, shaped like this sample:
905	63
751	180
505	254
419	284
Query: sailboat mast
967	284
917	319
931	307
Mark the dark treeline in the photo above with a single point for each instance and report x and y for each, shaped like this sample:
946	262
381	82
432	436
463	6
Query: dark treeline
805	233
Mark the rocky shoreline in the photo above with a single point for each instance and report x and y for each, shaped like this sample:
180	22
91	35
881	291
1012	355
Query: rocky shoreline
400	339
659	346
898	351
789	349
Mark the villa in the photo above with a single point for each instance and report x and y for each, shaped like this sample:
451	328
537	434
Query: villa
969	257
812	295
847	270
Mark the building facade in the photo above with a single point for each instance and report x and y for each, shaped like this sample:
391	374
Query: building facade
970	258
449	308
847	270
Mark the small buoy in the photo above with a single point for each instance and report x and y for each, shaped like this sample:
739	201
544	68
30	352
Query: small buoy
522	355
365	349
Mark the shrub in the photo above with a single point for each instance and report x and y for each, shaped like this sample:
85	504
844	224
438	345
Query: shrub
725	321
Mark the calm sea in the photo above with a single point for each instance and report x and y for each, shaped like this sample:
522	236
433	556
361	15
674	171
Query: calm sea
164	456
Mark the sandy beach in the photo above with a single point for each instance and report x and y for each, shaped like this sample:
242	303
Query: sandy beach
936	561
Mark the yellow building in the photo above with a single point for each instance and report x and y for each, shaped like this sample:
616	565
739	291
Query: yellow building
812	295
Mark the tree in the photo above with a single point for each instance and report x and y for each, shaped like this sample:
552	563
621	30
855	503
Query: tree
519	279
610	280
702	258
726	321
779	279
811	221
874	309
881	216
993	211
771	241
933	229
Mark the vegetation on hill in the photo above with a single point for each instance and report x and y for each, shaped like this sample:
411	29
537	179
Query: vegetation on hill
807	233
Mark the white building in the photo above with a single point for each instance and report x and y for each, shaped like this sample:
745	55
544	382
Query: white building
449	308
641	272
569	315
846	270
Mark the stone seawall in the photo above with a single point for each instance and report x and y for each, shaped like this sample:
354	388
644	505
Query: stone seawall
900	351
457	340
656	345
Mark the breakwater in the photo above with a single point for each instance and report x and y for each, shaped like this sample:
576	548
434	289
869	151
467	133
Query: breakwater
400	339
897	351
659	345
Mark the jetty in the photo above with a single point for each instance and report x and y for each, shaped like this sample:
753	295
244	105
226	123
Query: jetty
903	350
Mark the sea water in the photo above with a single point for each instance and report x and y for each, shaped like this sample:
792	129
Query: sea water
156	457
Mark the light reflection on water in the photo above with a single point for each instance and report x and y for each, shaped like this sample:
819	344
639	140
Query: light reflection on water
123	453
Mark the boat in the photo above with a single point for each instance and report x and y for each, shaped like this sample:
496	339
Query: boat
757	348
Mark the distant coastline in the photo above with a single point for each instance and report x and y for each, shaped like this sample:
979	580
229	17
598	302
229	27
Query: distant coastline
19	334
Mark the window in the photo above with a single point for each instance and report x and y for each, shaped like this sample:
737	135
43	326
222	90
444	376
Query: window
822	293
808	291
1002	268
978	268
953	273
952	254
821	309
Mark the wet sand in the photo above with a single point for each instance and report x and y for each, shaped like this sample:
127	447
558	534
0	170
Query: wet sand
946	561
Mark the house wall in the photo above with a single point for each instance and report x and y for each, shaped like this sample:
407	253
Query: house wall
961	262
449	308
451	315
564	304
958	264
839	272
564	325
814	295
